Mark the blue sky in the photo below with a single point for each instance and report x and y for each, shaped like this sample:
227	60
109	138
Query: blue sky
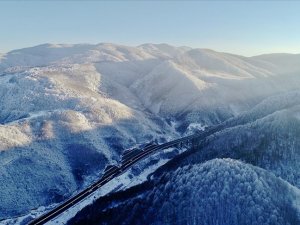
242	27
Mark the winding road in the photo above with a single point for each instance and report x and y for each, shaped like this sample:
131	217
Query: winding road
117	171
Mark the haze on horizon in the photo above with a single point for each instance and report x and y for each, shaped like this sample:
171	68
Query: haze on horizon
244	28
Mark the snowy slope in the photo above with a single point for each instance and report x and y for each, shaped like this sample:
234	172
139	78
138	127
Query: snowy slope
280	62
202	81
266	136
220	191
207	80
57	129
163	50
68	110
81	53
223	191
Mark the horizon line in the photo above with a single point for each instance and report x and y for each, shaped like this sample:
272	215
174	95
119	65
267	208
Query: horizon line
146	43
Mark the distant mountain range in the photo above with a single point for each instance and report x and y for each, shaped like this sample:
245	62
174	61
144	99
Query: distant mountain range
66	111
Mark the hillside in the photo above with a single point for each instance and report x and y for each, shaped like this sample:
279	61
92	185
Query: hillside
258	184
220	191
266	136
66	111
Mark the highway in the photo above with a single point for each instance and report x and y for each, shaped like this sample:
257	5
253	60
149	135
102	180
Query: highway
117	171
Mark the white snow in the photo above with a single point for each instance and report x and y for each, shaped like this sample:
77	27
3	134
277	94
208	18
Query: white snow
104	98
218	191
194	127
122	182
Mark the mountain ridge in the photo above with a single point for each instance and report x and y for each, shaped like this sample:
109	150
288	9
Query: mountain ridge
68	111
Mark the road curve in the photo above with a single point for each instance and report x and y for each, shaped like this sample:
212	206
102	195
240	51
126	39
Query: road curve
117	172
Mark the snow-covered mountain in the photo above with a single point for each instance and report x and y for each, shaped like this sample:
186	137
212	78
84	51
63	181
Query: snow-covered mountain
261	186
57	127
220	191
280	63
266	136
68	110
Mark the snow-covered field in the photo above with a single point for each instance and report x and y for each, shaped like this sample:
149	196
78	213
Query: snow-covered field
66	111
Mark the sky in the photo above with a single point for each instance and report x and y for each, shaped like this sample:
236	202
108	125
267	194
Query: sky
241	27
